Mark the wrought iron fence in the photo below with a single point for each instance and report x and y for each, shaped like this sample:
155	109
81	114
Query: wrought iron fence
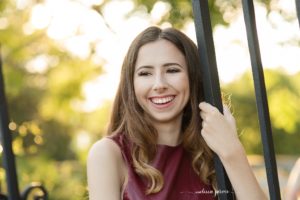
212	88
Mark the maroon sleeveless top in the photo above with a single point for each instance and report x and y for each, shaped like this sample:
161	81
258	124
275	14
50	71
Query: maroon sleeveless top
180	180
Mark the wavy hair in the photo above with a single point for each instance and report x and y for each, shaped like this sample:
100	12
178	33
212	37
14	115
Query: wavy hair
128	117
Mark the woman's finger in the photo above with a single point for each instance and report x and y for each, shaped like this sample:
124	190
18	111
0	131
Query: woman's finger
202	115
206	107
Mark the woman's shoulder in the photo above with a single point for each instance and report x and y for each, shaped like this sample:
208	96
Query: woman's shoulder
105	148
104	169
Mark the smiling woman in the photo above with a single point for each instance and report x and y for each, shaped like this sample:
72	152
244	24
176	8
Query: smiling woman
160	144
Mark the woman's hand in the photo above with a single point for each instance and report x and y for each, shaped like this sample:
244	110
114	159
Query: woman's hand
218	130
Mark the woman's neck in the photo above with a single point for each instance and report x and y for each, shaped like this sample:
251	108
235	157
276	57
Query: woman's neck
168	133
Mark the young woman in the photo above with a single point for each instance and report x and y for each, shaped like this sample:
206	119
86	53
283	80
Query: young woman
161	134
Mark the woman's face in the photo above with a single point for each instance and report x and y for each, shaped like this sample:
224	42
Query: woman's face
161	81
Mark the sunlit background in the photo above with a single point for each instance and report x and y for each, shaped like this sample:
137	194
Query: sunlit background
62	62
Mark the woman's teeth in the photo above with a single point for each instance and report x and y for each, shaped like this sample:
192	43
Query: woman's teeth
163	100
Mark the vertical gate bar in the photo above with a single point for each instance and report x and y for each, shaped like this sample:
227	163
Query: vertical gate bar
212	91
6	141
298	10
261	100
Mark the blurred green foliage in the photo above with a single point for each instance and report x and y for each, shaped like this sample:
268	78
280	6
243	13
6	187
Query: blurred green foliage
46	119
63	180
283	98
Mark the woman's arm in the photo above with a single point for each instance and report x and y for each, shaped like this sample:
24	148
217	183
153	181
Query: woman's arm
219	132
104	171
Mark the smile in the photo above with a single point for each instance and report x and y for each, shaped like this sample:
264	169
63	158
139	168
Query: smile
162	100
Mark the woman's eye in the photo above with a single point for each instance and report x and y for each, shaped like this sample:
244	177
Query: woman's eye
173	70
144	73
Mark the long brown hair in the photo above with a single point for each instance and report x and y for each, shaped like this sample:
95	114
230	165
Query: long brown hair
128	117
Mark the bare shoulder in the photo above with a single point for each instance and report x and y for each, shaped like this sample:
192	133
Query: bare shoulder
103	153
104	149
104	170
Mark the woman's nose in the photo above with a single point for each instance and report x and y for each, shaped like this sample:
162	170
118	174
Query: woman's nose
160	84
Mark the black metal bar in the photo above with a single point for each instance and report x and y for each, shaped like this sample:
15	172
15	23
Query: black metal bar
261	100
212	90
6	141
298	10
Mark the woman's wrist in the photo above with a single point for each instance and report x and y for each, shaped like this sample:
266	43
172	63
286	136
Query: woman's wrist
233	153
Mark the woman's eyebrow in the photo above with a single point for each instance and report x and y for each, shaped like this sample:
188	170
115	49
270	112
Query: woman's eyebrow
164	65
170	64
144	67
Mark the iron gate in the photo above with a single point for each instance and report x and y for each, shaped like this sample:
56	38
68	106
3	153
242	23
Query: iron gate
213	95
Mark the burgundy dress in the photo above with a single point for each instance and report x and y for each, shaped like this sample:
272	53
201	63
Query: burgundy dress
180	180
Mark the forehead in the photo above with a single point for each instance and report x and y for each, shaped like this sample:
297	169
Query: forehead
159	52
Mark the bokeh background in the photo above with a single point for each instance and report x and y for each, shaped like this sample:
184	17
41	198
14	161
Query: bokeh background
62	59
